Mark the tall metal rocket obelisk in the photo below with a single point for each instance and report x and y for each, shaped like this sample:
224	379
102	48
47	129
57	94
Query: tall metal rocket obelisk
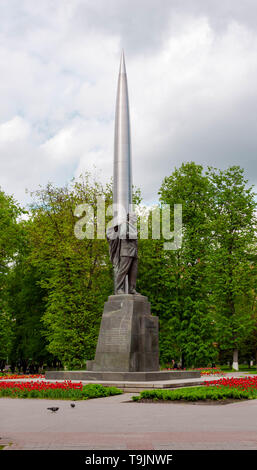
122	175
128	343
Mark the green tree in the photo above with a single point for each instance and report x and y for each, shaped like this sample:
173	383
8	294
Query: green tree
189	321
157	281
232	265
10	241
76	274
9	230
26	306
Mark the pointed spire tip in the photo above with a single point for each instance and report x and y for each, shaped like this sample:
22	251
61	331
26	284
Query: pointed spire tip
122	62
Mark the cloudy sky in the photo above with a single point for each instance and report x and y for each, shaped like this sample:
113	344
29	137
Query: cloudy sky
192	76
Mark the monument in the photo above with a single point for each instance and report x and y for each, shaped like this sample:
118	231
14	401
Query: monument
128	337
127	347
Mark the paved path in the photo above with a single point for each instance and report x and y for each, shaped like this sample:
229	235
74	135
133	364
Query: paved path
117	423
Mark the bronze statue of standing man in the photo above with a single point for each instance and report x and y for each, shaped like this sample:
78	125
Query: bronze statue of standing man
122	240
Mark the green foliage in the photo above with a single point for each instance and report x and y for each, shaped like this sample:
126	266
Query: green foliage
10	242
97	391
196	393
232	268
53	285
9	230
188	321
205	292
87	392
75	274
26	305
6	335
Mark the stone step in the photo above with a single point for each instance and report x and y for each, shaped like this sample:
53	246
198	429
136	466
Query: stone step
96	376
136	387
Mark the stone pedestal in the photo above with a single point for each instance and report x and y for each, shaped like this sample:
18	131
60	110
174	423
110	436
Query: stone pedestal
128	337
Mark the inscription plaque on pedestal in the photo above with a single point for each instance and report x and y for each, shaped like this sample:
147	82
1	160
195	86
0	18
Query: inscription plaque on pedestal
128	337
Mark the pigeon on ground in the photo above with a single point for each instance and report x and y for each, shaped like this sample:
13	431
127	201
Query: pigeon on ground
72	405
53	408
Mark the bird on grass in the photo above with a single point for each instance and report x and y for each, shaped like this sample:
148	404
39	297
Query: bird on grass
72	405
53	408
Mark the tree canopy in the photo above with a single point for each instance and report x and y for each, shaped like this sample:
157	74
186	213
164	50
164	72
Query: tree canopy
53	284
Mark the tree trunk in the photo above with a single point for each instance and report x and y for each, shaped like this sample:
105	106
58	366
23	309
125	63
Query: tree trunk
235	359
182	361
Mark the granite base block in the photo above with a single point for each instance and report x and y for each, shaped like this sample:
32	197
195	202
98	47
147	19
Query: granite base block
154	376
128	337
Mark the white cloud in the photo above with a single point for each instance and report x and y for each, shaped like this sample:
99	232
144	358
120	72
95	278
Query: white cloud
196	99
16	129
192	72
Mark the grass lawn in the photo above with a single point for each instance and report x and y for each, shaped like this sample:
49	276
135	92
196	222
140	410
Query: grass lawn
194	394
242	368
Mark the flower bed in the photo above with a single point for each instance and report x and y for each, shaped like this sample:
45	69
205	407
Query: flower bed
240	388
58	390
20	376
203	370
209	370
243	383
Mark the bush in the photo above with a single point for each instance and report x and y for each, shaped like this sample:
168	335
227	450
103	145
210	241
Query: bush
196	393
97	391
